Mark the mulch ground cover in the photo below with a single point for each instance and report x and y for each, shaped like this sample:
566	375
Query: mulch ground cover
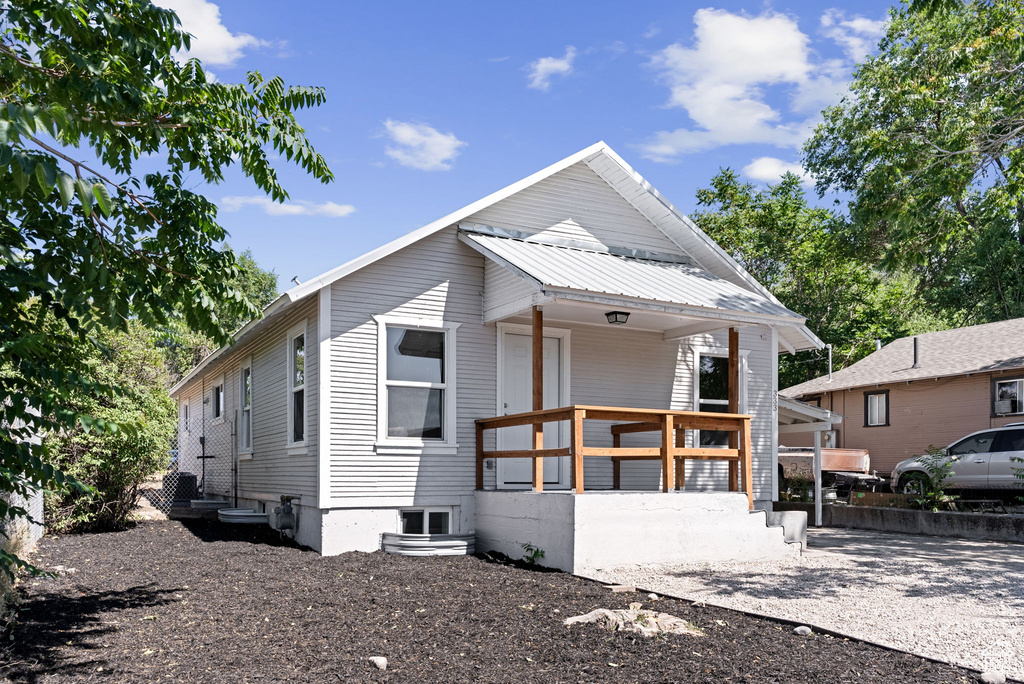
200	601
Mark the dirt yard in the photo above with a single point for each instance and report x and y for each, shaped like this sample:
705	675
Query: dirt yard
198	601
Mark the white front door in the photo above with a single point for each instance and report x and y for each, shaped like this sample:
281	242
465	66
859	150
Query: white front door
517	397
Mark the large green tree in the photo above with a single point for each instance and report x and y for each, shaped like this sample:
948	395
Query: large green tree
801	253
87	89
929	146
184	347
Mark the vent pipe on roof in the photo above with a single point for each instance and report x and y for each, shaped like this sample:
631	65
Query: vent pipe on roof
917	356
878	343
829	347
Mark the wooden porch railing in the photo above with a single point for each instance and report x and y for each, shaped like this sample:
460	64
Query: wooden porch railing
672	453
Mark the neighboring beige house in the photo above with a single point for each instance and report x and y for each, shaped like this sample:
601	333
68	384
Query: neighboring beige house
895	406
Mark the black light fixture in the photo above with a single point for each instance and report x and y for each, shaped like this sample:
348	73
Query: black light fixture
617	317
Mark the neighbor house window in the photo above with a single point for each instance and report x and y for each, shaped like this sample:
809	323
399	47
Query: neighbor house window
427	521
217	399
1007	397
876	408
245	407
713	395
297	385
416	382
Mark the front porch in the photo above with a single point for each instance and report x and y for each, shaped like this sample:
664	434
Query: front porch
673	452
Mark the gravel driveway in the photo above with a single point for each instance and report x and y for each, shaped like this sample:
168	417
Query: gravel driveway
955	600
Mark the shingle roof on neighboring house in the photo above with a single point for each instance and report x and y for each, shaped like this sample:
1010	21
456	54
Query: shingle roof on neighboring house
975	349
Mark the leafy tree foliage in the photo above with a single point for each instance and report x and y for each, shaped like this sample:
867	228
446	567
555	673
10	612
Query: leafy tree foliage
801	254
115	465
185	348
90	244
929	145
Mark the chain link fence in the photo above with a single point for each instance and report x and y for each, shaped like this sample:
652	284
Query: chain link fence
203	467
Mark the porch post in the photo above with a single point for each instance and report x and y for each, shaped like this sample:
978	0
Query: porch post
734	401
668	456
817	478
577	450
538	395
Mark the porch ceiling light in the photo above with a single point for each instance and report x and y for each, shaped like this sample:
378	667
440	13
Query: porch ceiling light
617	317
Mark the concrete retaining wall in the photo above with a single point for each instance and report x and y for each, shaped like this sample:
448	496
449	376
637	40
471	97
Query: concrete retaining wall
980	526
603	530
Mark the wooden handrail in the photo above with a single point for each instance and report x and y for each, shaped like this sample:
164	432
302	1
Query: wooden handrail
672	452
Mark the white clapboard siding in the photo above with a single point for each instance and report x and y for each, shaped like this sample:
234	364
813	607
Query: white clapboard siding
271	472
438	277
502	287
577	204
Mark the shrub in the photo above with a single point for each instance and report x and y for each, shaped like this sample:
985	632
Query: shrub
115	464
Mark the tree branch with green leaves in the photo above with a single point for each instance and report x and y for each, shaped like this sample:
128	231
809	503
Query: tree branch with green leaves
88	88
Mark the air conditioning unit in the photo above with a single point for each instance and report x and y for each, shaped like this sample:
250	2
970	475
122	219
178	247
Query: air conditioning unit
1003	407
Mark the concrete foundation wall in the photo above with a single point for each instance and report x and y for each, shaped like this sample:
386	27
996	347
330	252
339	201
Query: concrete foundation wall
980	526
602	530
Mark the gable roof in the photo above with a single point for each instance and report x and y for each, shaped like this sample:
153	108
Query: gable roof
975	349
640	194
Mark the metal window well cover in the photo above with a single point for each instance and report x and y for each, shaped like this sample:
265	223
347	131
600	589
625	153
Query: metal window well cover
244	516
429	544
571	268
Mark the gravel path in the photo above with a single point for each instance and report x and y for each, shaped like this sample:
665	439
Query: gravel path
955	600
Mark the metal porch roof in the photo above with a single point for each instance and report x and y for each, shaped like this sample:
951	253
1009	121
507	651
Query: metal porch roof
558	267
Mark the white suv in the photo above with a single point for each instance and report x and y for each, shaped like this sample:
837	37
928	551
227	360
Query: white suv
986	459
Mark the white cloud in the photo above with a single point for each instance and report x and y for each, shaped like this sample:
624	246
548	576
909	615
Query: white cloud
857	36
771	169
420	146
212	42
652	30
543	69
723	80
293	208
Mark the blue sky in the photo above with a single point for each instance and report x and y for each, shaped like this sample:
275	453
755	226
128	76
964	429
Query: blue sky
434	105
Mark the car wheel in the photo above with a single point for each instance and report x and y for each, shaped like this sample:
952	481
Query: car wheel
912	484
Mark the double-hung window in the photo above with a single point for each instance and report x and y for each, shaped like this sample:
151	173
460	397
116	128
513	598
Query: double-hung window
184	416
245	407
297	386
876	408
1007	397
416	387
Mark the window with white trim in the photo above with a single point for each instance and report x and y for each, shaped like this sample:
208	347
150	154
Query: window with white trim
297	385
184	416
416	383
713	395
217	399
245	407
427	521
1007	397
876	408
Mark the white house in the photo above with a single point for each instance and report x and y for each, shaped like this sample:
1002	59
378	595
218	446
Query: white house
395	393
